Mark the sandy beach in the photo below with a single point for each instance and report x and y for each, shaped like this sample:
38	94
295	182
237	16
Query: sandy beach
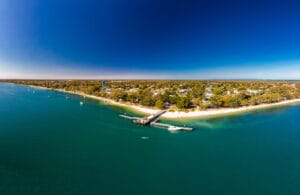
225	111
208	112
179	114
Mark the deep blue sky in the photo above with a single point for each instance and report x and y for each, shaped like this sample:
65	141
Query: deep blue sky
204	39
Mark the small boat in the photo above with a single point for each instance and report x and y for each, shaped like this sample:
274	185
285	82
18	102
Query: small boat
81	103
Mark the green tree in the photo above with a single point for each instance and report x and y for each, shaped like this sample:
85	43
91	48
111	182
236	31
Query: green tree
231	101
216	101
197	91
218	91
118	95
182	102
160	104
146	98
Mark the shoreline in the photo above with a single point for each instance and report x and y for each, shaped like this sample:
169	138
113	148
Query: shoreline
179	114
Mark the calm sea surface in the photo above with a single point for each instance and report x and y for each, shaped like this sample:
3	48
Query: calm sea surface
50	144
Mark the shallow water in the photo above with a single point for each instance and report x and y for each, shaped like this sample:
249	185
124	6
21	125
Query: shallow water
50	144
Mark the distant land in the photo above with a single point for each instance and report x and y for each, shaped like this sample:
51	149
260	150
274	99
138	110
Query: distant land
182	98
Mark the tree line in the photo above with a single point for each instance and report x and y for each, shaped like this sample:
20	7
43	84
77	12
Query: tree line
180	94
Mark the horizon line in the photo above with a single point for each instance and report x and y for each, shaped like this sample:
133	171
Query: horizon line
137	79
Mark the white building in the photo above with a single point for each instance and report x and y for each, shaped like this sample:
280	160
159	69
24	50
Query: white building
253	91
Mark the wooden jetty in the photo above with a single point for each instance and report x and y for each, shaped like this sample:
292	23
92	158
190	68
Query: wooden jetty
152	120
149	119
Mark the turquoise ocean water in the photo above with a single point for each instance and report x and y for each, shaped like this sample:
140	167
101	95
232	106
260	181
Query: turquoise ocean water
50	144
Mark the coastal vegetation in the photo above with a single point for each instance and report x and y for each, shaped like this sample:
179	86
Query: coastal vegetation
180	95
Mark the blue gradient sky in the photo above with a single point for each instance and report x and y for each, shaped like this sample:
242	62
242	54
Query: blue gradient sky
143	39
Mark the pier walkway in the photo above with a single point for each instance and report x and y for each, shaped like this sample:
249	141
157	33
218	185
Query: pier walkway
149	119
152	120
